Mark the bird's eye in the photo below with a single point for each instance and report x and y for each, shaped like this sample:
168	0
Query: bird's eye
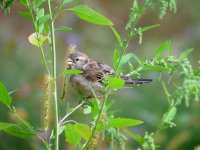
77	59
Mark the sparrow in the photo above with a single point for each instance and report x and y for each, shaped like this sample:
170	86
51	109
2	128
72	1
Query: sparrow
93	75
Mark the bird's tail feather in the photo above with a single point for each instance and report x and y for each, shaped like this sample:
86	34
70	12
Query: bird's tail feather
135	81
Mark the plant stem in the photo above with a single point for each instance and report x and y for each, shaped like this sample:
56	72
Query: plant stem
68	114
53	47
37	36
97	120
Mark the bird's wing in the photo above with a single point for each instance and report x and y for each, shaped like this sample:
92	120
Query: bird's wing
95	72
106	69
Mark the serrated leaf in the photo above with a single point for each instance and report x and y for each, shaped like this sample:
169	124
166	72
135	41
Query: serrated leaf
88	14
63	28
185	53
115	83
4	96
124	122
84	130
25	14
154	68
72	135
18	130
149	27
37	40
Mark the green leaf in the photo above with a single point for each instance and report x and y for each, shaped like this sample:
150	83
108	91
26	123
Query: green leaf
117	35
95	107
37	40
67	1
63	28
124	122
154	68
4	96
72	135
18	130
169	47
125	59
87	14
84	130
115	58
25	14
39	14
115	83
138	138
24	3
44	19
46	29
38	2
185	53
170	115
149	27
161	49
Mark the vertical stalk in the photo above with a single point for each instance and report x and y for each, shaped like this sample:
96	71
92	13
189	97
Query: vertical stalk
53	47
86	147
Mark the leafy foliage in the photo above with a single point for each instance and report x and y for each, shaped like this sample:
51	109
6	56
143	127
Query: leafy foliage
4	96
104	123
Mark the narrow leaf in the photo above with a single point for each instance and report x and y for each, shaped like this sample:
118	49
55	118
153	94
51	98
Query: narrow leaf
63	28
169	47
37	39
25	14
138	138
115	83
185	53
161	49
87	14
124	122
4	96
117	35
18	130
84	130
67	1
149	27
72	135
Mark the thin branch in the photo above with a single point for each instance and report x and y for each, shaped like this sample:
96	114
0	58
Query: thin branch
67	115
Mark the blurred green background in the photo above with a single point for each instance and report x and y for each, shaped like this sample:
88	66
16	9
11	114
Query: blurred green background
21	68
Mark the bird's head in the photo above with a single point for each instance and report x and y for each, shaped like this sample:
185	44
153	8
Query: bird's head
77	60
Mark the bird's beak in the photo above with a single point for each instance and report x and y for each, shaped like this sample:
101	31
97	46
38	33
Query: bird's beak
69	63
